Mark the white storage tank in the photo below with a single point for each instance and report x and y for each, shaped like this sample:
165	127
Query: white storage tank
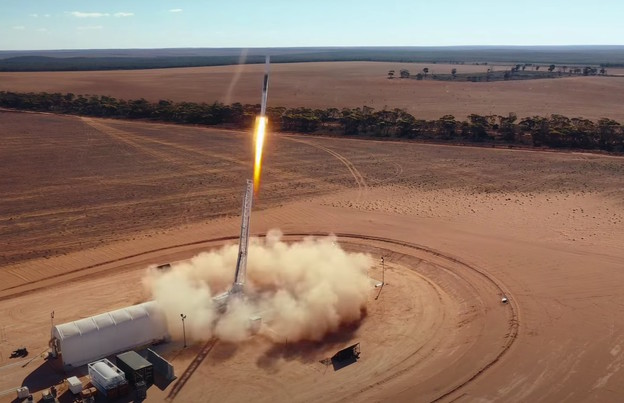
105	374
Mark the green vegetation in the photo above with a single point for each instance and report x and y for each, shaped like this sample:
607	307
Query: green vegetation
527	71
555	131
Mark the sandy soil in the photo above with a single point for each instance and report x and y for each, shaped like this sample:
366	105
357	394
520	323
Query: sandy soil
459	228
345	84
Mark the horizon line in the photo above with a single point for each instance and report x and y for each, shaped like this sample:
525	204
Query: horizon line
326	47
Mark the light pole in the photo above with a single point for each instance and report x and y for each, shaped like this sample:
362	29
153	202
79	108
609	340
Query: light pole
183	316
383	271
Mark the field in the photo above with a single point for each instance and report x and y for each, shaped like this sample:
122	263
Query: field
88	204
125	59
346	84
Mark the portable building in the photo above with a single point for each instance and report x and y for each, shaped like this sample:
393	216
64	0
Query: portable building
92	338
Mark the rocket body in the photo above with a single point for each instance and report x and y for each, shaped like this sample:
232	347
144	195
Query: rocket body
260	129
265	87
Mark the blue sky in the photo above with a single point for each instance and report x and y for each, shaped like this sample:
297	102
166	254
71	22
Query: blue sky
90	24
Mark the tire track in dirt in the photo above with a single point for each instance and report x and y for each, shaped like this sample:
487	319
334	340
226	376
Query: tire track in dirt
188	150
510	337
131	140
514	323
196	169
357	176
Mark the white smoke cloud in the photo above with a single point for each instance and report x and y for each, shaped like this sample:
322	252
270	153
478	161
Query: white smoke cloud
301	290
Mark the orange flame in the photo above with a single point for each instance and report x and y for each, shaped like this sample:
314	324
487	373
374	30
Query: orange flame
261	122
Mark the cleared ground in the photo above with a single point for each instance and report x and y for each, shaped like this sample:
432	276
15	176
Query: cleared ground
543	228
345	84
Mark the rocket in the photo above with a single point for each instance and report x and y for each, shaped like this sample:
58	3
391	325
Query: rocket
260	129
265	86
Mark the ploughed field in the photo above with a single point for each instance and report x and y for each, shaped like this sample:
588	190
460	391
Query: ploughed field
72	183
346	84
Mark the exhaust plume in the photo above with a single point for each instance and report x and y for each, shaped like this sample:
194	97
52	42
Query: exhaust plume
259	132
301	290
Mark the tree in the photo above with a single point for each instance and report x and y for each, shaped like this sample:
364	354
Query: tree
454	72
609	132
426	70
302	120
405	73
537	126
405	125
391	74
351	120
447	126
478	127
551	68
507	128
603	71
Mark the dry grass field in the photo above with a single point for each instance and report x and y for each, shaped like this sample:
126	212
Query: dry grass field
88	204
345	84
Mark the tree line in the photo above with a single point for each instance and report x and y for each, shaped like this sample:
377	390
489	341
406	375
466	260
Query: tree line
555	131
516	72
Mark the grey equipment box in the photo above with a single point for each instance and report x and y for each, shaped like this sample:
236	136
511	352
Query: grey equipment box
136	368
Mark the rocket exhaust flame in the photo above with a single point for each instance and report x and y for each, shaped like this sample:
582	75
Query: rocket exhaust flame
260	128
259	134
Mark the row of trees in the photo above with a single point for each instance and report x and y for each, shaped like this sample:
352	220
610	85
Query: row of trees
406	74
512	73
555	131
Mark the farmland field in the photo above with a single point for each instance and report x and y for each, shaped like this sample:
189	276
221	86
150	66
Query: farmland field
346	84
87	204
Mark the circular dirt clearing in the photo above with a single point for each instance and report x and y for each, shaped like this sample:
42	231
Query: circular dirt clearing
434	326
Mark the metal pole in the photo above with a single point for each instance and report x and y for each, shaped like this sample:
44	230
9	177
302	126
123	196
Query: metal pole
183	328
383	271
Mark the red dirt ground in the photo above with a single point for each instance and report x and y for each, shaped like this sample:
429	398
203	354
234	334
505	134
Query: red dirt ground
87	204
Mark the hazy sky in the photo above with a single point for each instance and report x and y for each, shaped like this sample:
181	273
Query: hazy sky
75	24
